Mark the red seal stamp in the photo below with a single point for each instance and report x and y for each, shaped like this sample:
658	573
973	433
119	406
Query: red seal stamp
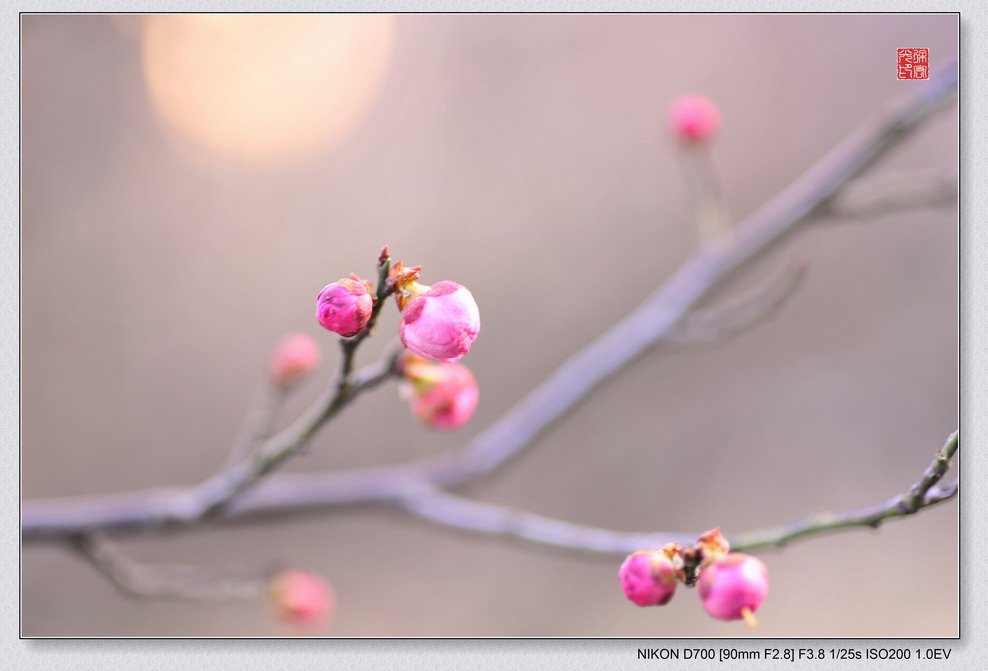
914	64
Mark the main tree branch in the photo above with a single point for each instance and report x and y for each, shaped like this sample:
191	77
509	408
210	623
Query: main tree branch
653	322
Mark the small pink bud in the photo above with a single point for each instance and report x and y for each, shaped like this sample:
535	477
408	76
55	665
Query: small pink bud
693	118
345	306
648	578
296	356
442	323
301	598
733	587
443	395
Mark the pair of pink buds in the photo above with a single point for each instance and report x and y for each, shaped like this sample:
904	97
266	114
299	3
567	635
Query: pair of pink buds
732	585
439	322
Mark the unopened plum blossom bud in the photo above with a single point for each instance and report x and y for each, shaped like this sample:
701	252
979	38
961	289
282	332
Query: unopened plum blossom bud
301	598
296	356
733	587
648	578
345	306
693	118
442	395
440	322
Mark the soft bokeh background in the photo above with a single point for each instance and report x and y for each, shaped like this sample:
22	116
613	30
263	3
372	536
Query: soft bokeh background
190	183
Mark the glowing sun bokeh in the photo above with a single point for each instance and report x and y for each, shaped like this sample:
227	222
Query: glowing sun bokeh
264	88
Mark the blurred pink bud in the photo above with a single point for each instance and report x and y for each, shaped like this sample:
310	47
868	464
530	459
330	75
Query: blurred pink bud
301	598
648	578
296	356
733	587
443	395
693	118
345	306
442	323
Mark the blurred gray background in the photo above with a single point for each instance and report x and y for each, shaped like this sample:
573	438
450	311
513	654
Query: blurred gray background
173	230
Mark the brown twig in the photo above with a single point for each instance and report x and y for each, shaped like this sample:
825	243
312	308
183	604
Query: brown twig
923	494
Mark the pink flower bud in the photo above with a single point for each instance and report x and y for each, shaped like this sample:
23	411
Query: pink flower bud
443	396
296	356
733	587
442	323
345	306
648	578
693	118
301	598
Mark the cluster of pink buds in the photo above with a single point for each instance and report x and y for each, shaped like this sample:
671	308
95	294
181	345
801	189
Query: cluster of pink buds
439	324
302	600
442	395
693	118
732	585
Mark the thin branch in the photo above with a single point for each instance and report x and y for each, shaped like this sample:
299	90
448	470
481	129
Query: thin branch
455	511
257	422
211	496
710	213
921	495
895	193
560	394
346	387
170	580
744	311
249	462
